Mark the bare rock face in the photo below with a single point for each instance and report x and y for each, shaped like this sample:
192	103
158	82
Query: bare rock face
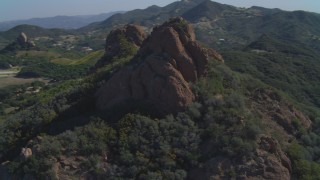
133	34
23	41
274	163
167	61
270	145
26	153
22	38
175	40
32	44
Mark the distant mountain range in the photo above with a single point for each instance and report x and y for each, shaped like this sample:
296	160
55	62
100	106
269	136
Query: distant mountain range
218	25
63	22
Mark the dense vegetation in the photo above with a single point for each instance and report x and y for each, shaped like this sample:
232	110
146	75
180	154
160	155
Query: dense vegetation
292	68
134	143
137	146
60	123
18	96
54	71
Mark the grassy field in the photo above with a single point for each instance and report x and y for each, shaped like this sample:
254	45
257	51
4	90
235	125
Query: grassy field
11	80
46	54
62	61
90	59
9	72
7	78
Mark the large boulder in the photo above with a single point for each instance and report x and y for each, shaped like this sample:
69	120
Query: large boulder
22	39
26	153
168	60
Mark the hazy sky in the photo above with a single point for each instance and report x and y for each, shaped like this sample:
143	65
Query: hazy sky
24	9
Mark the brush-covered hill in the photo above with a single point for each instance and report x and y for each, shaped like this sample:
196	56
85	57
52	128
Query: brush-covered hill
157	109
147	17
32	31
208	10
292	67
224	26
220	25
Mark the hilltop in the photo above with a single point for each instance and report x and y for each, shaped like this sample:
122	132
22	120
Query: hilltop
32	31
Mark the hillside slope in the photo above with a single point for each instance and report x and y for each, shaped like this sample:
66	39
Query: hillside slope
238	27
232	121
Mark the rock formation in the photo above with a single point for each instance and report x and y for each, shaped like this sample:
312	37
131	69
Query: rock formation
26	153
160	73
270	163
273	108
132	34
22	40
21	43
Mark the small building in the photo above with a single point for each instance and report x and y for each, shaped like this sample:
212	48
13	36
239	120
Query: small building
87	49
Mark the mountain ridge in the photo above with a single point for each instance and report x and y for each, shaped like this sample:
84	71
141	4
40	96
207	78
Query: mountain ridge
60	21
150	17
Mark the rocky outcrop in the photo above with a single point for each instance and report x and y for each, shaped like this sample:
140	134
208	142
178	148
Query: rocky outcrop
274	108
275	164
26	153
160	73
132	34
269	162
21	43
22	40
175	40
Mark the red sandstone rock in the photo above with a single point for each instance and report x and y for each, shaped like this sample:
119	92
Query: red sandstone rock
171	58
134	34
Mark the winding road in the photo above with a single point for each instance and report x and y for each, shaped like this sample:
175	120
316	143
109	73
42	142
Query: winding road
8	72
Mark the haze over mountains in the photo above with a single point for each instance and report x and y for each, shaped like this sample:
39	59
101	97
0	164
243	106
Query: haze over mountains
62	22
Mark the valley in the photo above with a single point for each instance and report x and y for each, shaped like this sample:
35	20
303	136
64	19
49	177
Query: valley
9	79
